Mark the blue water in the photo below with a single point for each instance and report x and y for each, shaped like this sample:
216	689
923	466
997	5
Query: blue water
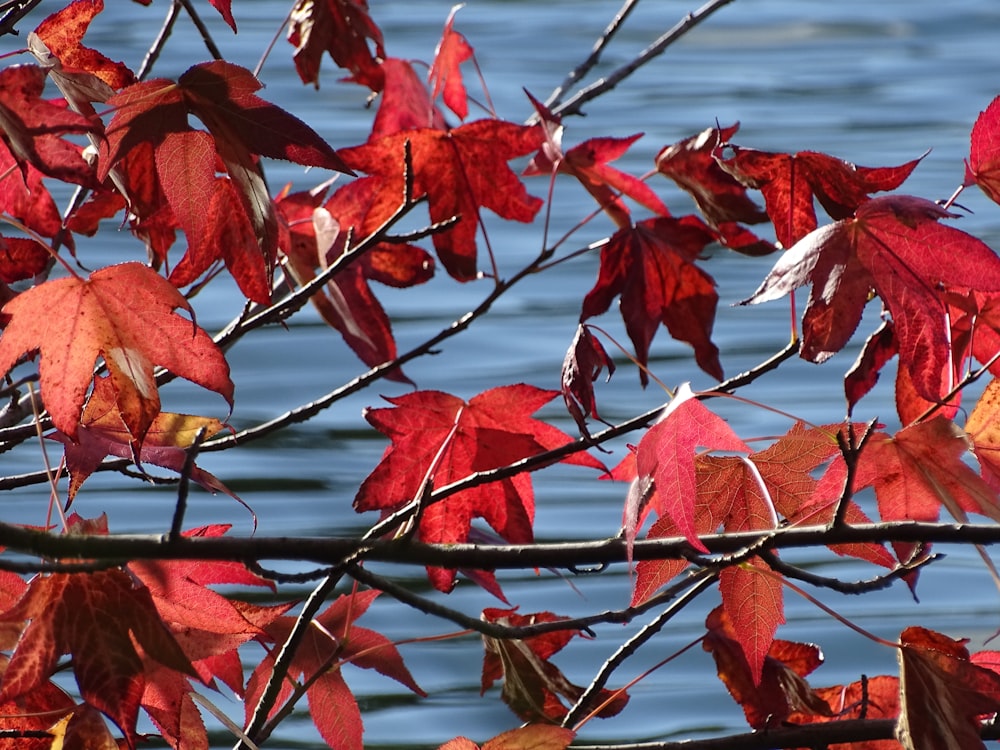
875	83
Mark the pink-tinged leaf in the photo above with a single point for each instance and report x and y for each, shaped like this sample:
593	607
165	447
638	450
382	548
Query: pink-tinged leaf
666	454
896	245
445	76
753	600
983	165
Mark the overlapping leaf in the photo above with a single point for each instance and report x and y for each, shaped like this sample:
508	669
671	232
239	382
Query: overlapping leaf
124	315
333	641
942	693
790	183
243	127
445	74
89	73
585	359
896	246
317	237
32	128
438	438
530	737
588	163
651	266
983	165
666	456
94	617
344	29
720	197
534	687
459	171
777	688
102	432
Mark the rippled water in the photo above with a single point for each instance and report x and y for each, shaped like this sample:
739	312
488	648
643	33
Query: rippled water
875	83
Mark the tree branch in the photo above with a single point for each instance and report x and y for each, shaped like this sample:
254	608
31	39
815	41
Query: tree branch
573	105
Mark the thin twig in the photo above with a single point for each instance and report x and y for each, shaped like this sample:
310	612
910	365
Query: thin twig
581	70
191	453
701	581
206	35
574	104
153	54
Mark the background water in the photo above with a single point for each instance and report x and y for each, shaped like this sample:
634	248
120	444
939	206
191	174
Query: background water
875	83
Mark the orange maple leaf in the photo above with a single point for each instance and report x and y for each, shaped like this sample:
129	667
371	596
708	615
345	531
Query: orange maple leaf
97	618
123	314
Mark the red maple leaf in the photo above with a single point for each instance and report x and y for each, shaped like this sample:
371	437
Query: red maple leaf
871	698
651	266
737	494
896	246
243	127
334	641
534	687
96	617
790	183
24	197
347	303
405	104
102	432
458	171
983	165
123	314
32	127
344	29
437	436
36	711
588	163
943	693
777	688
983	429
665	461
445	75
921	469
720	197
60	35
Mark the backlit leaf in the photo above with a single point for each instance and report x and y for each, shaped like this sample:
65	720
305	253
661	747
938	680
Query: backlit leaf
123	314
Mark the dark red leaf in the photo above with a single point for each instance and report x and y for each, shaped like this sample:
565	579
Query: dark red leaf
584	361
790	182
533	687
651	265
344	29
459	171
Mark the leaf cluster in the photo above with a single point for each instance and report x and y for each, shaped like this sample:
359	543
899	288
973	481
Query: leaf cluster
141	623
